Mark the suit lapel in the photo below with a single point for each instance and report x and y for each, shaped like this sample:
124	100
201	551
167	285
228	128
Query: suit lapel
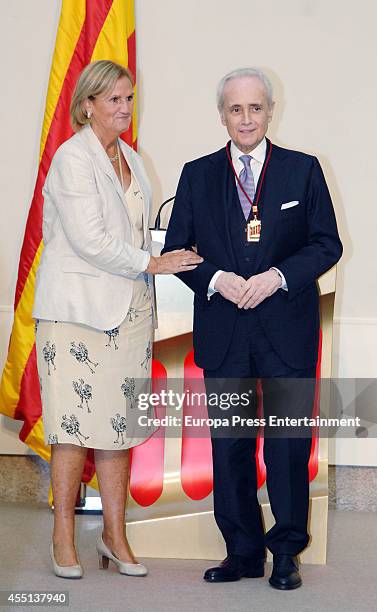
273	188
220	194
102	159
133	165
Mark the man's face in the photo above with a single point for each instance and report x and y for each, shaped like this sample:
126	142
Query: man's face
246	113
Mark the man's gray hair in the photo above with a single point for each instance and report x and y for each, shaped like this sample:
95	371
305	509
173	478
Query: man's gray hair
240	73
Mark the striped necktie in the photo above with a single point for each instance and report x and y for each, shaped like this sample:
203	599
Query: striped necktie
247	181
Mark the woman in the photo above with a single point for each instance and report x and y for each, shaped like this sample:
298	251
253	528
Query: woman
94	310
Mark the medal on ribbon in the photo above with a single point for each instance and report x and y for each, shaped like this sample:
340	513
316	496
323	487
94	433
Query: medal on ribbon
253	230
254	226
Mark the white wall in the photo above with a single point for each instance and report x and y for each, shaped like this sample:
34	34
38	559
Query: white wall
319	57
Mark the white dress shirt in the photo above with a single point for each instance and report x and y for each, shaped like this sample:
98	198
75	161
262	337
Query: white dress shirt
258	156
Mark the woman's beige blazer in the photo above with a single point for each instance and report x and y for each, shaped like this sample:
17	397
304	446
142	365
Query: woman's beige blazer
89	262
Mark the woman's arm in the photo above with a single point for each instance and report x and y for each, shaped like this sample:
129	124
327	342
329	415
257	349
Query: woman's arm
72	187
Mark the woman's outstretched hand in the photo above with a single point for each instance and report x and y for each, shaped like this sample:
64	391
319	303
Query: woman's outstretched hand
173	262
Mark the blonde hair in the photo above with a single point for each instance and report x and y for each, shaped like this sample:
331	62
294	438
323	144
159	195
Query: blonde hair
96	78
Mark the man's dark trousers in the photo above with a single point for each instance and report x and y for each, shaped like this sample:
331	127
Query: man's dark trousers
236	507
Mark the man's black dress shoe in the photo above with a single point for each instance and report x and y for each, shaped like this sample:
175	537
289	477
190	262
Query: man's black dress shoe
235	567
285	575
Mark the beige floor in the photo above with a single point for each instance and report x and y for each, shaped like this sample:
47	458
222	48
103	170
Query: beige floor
347	583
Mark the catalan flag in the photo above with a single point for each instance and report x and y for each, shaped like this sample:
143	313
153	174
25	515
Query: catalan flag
88	30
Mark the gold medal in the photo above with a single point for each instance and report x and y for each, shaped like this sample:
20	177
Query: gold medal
253	230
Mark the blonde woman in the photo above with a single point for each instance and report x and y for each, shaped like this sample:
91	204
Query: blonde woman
94	310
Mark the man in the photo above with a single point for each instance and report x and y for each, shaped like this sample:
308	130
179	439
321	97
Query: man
262	218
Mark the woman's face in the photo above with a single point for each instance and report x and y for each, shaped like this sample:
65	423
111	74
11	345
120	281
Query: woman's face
111	112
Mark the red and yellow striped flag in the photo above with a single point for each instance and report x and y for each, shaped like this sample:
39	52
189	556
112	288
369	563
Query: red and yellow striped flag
88	30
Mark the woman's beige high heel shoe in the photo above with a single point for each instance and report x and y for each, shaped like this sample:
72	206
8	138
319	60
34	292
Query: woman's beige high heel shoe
65	571
104	555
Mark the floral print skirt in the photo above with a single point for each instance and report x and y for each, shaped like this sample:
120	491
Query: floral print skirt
90	379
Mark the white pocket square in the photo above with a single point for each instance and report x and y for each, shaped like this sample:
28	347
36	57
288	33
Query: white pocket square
289	204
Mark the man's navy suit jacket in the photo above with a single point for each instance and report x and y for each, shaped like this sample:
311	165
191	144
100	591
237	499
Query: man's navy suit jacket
302	241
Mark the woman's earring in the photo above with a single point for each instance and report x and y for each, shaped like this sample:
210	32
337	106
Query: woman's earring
88	114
